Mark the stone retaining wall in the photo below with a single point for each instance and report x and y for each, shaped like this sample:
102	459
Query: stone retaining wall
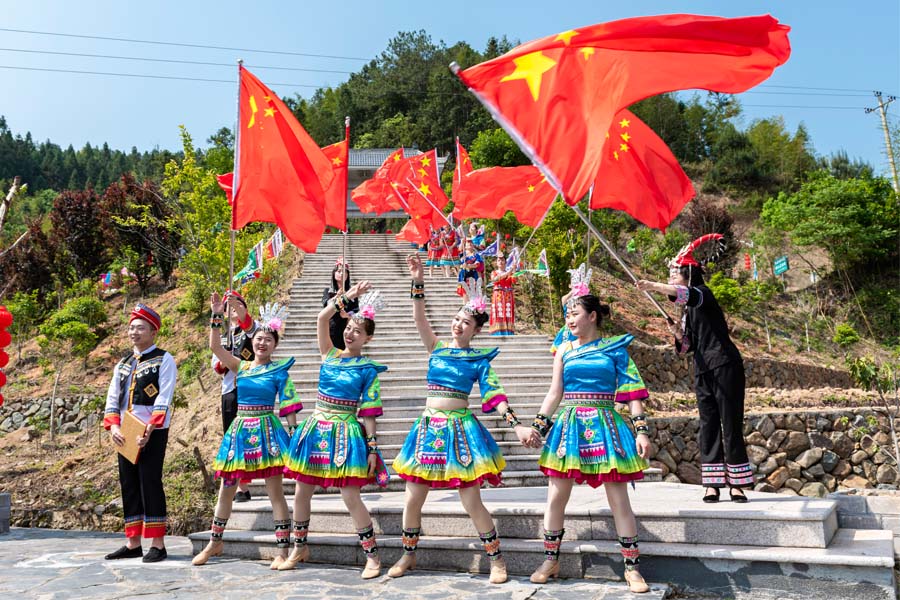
805	453
663	369
71	413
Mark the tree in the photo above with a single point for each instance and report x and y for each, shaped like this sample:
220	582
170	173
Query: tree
27	313
852	220
783	157
494	148
34	264
77	218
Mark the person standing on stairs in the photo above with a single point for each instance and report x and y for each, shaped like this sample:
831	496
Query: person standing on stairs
435	251
243	327
336	445
340	283
503	298
719	378
589	442
451	241
447	447
255	444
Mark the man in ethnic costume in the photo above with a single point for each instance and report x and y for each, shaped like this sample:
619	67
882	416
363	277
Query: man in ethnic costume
143	383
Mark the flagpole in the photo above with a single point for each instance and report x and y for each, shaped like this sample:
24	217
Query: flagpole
605	243
550	289
436	209
346	186
234	190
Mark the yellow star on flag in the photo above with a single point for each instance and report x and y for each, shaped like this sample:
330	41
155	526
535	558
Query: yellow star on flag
566	36
253	111
530	188
424	189
615	155
623	147
531	68
426	162
587	52
396	157
267	98
422	172
607	135
269	112
337	161
624	123
625	136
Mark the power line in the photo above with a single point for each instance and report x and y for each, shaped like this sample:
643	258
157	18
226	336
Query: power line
805	93
181	44
803	106
804	87
171	60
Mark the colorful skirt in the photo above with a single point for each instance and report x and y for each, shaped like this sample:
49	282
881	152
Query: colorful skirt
503	312
253	446
450	258
435	257
449	449
591	443
329	450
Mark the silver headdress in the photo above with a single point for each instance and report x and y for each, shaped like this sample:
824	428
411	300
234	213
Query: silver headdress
475	294
580	281
272	315
369	305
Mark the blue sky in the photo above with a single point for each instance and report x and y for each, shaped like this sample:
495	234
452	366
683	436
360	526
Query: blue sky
844	49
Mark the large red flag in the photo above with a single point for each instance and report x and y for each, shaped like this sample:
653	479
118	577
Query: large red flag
640	175
336	194
557	96
377	195
417	175
283	173
489	193
463	168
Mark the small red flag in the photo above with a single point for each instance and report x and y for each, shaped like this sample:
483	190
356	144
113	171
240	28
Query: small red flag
336	194
557	96
640	175
417	175
463	167
489	193
283	173
226	182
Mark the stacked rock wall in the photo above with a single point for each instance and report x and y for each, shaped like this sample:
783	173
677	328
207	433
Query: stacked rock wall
75	413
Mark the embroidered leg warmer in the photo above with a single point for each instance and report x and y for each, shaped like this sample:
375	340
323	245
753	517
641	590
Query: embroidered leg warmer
491	544
282	533
552	542
630	552
301	531
367	541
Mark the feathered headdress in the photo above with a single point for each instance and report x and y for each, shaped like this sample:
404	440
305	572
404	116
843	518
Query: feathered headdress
340	262
369	305
580	280
475	294
271	316
685	257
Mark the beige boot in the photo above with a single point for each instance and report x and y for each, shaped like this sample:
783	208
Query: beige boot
298	555
636	581
498	571
406	563
549	569
373	568
213	548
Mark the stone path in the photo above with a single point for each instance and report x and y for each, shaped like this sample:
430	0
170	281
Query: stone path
55	564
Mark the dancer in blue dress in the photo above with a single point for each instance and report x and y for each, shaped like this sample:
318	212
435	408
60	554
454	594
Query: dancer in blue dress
589	442
331	447
447	446
255	443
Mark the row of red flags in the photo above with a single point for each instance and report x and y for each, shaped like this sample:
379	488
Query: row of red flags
562	99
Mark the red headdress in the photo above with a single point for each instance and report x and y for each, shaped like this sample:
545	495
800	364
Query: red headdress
685	257
144	312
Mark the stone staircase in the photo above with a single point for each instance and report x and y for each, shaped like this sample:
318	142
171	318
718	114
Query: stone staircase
773	547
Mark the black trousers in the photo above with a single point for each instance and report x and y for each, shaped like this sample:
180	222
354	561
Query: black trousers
143	497
720	400
229	409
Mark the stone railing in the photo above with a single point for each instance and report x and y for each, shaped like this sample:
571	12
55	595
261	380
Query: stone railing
663	369
805	453
73	413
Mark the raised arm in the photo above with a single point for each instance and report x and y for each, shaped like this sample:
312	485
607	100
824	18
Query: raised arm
426	333
217	322
660	288
337	304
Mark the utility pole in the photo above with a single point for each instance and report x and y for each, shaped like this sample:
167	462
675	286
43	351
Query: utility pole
882	108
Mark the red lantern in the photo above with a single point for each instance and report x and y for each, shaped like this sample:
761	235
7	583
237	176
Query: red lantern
357	231
371	231
4	358
6	317
5	339
747	263
328	230
507	236
1	399
389	231
2	378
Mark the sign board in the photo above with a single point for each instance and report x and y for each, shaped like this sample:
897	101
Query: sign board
781	265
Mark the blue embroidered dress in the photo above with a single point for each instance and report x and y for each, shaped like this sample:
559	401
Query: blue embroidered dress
589	441
329	447
450	448
256	442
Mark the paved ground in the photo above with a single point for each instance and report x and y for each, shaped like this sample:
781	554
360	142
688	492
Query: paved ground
51	564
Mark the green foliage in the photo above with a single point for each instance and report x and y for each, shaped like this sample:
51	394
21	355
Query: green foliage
654	250
73	330
398	130
726	290
494	148
27	312
782	158
853	220
845	335
869	374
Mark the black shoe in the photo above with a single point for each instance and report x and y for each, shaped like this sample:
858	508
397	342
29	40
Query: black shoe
711	497
155	554
739	498
242	496
125	552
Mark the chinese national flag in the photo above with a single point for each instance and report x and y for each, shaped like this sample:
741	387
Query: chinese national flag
463	167
418	177
336	194
376	195
422	215
283	173
557	96
226	182
640	175
489	193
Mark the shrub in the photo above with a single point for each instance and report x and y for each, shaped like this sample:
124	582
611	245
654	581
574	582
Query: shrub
726	290
845	335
